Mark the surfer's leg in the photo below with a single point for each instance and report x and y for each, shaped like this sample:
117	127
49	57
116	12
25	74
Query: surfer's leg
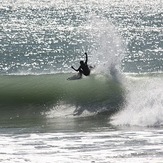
80	73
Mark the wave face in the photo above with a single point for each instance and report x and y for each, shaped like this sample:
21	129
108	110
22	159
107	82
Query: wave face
94	94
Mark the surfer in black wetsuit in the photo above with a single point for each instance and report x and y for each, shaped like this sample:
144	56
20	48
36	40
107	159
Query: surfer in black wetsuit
84	68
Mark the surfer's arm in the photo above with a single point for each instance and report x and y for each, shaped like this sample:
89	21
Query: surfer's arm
74	68
86	58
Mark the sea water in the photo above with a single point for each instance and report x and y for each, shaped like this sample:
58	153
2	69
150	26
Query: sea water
114	115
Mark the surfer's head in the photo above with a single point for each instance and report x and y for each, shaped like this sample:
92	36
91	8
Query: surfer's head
81	62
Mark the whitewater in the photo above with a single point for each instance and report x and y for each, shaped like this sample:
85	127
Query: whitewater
115	115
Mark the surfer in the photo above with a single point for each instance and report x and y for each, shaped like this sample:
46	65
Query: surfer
84	68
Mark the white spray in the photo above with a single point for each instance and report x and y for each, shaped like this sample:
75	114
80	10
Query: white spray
144	105
109	52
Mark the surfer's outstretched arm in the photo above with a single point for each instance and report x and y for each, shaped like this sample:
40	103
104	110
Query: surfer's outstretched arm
86	58
74	68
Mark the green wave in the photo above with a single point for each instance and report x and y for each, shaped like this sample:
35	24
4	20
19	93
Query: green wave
91	93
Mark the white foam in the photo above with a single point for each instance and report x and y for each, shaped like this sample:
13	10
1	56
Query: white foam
61	110
144	105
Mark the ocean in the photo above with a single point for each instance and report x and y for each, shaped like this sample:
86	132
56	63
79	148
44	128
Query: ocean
115	115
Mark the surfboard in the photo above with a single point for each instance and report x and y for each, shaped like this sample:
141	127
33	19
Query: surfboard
75	77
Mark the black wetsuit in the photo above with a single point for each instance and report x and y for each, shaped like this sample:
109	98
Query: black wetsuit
83	69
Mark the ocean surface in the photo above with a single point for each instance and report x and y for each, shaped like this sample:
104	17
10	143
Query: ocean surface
113	116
